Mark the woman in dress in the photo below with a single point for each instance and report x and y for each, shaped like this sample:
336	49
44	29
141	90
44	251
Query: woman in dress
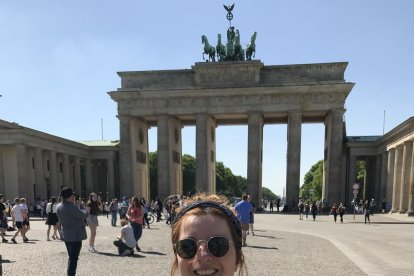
52	218
93	207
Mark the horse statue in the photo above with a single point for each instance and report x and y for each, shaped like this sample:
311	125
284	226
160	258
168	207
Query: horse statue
238	49
208	49
231	37
251	48
220	49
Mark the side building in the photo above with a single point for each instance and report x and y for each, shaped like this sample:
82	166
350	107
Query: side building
36	165
389	167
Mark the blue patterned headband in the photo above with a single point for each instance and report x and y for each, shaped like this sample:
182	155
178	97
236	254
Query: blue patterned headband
211	204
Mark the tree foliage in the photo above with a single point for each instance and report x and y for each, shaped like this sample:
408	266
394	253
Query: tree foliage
226	182
314	179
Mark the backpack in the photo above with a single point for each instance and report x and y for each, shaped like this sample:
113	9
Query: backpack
113	207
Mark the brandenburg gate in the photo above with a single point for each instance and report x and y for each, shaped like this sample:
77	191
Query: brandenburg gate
229	93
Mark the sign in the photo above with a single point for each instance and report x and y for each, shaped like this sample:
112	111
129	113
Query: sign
355	186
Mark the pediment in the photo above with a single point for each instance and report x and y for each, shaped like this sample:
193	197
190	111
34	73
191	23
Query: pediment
4	125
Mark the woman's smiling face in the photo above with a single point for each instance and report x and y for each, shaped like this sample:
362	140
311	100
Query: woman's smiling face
203	228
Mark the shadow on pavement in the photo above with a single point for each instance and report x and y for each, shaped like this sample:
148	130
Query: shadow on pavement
117	255
262	247
153	253
269	237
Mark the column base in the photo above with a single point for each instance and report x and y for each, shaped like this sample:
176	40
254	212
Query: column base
410	213
393	211
402	211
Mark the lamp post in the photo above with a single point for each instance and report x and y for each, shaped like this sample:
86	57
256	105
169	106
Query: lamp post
355	188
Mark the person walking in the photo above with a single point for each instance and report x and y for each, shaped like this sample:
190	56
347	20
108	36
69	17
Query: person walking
243	209
278	204
384	206
113	208
135	216
307	209
18	218
301	207
52	218
314	210
271	204
367	212
26	221
334	211
159	209
251	222
3	220
71	218
341	211
146	208
93	207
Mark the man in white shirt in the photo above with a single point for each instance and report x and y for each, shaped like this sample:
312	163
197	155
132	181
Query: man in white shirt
18	218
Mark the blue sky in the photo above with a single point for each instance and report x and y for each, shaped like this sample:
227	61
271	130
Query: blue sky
59	58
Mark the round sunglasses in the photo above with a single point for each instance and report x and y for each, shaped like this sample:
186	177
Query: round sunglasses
217	246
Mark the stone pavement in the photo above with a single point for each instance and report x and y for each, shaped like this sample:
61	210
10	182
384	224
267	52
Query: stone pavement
283	245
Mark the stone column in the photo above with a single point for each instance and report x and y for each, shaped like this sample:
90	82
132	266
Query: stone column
397	179
169	156
77	172
111	177
377	185
410	211
205	154
383	185
332	190
39	176
405	176
390	175
2	182
255	158
125	156
351	175
140	160
88	176
66	170
24	188
293	158
54	187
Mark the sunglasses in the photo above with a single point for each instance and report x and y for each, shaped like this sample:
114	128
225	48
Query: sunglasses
217	246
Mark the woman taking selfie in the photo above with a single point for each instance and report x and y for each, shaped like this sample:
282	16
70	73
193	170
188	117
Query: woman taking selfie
199	248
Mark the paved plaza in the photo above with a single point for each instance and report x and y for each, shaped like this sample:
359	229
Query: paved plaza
283	245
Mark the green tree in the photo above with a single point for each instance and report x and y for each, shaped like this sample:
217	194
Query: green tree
189	174
313	180
267	194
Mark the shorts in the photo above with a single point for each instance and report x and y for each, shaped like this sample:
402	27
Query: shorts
19	224
245	226
92	220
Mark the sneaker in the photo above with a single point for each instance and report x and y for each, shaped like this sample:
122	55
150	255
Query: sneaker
247	233
13	240
25	239
244	244
4	241
48	239
252	233
92	250
138	249
126	252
